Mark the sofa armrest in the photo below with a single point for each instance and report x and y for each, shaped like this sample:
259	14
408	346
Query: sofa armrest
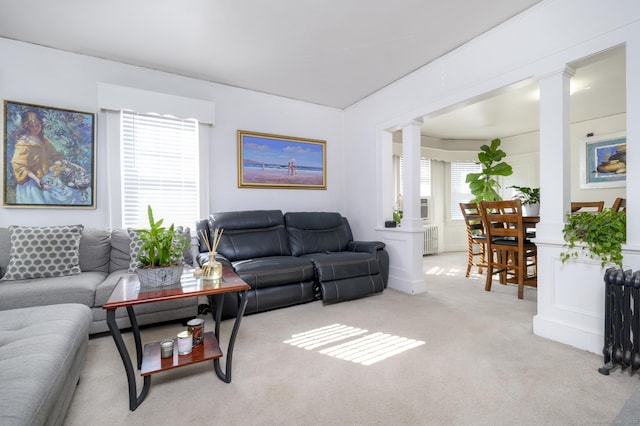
366	246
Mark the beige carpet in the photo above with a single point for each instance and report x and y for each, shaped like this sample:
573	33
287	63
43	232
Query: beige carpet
455	355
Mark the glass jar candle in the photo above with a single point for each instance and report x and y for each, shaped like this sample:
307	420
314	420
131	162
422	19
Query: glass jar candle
185	343
166	348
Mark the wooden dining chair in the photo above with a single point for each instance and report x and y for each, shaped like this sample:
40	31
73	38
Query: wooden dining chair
587	206
476	238
620	204
509	252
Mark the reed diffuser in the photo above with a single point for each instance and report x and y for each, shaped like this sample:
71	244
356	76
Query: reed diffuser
212	270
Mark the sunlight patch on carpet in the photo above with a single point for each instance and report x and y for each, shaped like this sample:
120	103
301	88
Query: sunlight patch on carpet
441	270
361	348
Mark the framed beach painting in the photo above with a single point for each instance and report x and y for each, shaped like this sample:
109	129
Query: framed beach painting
603	161
49	157
274	161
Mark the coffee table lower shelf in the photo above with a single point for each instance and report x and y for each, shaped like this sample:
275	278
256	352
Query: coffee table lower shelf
153	363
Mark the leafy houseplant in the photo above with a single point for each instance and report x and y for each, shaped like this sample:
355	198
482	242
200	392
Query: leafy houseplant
159	253
484	185
527	195
530	198
601	234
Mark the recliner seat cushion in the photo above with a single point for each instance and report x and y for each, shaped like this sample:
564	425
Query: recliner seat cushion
343	265
274	271
317	232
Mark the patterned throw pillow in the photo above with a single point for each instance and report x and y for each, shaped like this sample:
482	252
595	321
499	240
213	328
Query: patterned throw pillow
38	252
134	247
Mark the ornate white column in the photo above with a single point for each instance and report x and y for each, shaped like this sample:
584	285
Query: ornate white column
571	294
405	244
555	153
633	149
411	176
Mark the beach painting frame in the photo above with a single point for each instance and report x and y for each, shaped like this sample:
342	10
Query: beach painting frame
603	161
286	162
49	157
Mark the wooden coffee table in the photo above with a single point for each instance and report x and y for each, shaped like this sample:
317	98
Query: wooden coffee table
128	293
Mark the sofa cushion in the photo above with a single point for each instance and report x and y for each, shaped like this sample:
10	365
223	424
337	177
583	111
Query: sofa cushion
343	265
317	232
104	289
79	288
274	271
120	250
42	351
43	252
95	249
250	234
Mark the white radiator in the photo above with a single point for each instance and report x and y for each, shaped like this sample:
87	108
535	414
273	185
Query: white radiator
430	243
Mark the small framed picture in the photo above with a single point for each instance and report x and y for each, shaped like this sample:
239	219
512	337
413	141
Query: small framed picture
273	161
603	161
49	157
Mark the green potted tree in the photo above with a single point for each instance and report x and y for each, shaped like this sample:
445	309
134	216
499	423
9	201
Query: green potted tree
530	198
484	185
160	254
598	235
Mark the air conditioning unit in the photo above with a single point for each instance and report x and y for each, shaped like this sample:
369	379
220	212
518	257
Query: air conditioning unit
425	208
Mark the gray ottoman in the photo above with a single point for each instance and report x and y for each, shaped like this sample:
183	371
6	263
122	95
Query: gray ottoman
42	351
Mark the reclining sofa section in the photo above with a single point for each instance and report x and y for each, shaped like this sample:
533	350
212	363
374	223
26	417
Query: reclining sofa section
294	258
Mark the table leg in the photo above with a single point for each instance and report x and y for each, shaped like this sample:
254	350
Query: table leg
242	304
136	334
134	399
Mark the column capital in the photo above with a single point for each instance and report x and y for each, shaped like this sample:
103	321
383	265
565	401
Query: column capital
413	123
566	71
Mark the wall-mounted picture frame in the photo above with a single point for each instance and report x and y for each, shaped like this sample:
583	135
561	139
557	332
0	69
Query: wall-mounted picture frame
49	157
275	161
603	161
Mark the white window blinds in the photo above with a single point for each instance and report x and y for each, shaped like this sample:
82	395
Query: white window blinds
425	176
460	192
159	168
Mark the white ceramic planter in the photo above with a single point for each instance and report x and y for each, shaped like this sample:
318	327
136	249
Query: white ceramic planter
531	209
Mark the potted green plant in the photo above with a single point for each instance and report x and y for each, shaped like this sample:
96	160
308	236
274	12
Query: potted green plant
160	253
530	198
484	185
599	235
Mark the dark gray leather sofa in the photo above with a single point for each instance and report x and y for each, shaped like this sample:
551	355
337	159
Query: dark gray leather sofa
294	258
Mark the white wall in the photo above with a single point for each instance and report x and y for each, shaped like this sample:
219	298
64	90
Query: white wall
43	76
535	44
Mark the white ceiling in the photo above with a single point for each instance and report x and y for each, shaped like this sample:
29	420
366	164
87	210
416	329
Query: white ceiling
598	90
332	53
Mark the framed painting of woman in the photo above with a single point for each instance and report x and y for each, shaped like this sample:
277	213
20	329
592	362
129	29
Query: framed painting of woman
49	157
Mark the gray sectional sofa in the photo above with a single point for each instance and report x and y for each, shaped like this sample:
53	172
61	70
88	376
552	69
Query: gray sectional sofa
53	284
104	257
42	352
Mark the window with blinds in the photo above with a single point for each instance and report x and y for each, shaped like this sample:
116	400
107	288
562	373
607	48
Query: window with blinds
460	192
425	176
159	168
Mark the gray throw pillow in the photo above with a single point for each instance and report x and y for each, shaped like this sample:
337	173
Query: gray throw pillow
38	252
